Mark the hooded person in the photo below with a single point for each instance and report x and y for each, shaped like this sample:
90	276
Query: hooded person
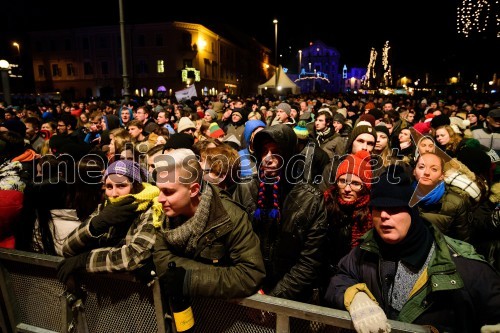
288	216
247	159
404	263
120	234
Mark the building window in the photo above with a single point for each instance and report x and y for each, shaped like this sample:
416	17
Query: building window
70	69
87	68
103	42
41	71
142	67
55	70
85	43
207	66
214	69
160	66
141	40
186	40
159	42
67	44
104	68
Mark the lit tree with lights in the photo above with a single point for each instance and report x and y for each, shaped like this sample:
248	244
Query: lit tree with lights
370	70
385	64
473	16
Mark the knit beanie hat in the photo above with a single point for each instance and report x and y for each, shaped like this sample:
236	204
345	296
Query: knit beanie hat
339	117
367	118
357	131
475	159
423	128
179	140
285	107
301	130
130	169
357	164
215	131
440	120
211	113
383	129
393	188
184	124
15	125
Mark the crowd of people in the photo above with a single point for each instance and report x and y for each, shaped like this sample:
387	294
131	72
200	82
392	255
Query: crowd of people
388	208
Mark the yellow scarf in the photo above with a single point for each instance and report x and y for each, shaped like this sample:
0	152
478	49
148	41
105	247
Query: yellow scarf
143	198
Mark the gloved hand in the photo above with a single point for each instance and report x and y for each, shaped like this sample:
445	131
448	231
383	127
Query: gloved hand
146	273
173	281
367	316
490	328
70	265
113	214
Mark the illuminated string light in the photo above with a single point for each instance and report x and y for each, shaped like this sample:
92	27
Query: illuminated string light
370	70
473	16
385	63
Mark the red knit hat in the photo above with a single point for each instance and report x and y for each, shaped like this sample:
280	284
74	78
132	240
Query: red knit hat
357	164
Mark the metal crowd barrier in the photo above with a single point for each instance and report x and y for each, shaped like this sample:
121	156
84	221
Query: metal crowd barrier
33	300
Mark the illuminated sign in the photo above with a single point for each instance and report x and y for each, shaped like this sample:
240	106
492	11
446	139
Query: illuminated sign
188	72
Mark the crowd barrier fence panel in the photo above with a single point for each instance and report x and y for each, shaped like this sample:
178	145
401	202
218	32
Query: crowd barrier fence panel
34	301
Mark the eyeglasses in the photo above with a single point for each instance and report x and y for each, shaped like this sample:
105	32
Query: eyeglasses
355	186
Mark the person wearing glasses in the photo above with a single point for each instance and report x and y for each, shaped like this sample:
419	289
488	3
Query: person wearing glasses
346	202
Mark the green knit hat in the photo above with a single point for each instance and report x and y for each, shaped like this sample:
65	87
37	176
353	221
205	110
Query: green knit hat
301	130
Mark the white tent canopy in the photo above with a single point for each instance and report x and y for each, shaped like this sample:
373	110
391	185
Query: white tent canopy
283	82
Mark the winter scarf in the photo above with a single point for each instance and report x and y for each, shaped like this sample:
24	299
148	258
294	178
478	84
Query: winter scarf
462	182
323	135
185	237
434	196
359	228
143	199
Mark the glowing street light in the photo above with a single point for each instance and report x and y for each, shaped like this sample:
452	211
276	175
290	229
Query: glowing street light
300	60
16	44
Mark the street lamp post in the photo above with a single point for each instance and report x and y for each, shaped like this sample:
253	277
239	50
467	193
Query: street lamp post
126	83
275	21
300	60
4	69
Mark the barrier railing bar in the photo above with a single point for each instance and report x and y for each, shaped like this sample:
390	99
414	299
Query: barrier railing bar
12	305
334	317
25	328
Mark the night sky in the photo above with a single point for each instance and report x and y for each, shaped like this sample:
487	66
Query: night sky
422	34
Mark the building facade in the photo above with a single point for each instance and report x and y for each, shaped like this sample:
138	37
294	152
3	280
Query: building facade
319	69
161	58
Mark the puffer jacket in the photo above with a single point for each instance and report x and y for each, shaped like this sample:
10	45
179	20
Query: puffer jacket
459	291
227	262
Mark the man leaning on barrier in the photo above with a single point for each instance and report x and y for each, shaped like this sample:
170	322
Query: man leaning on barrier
407	270
207	235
